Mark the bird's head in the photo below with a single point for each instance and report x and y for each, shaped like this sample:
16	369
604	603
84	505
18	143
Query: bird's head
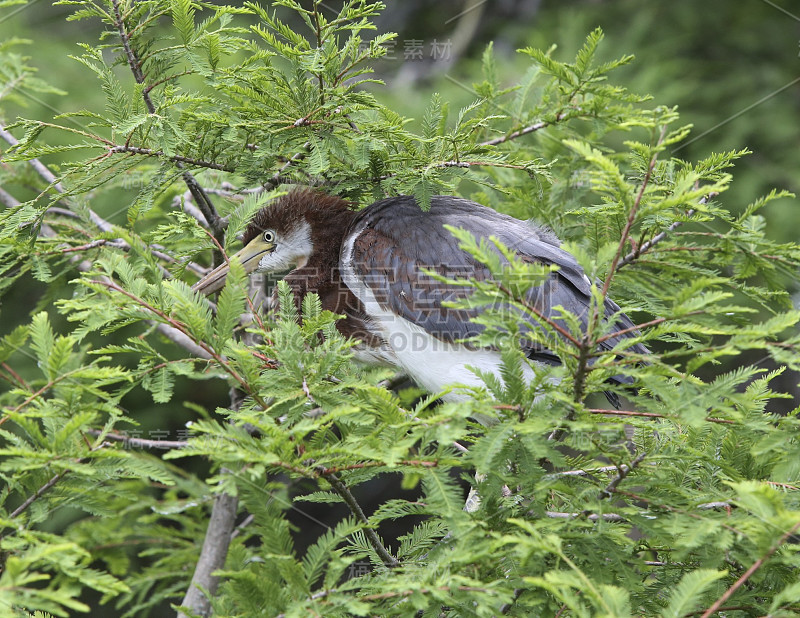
285	234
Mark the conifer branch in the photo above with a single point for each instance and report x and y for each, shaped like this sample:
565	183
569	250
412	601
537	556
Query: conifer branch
135	64
646	246
219	533
622	471
536	126
626	232
85	266
277	178
603	411
181	328
140	442
49	485
715	607
147	152
340	488
38	493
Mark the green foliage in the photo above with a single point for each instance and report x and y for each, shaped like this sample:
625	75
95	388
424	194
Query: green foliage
657	509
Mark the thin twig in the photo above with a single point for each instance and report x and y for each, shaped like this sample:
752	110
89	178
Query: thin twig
709	419
622	472
140	442
148	152
182	328
355	508
536	126
49	484
646	246
37	165
277	176
38	494
135	64
631	218
589	516
749	572
667	507
168	331
245	522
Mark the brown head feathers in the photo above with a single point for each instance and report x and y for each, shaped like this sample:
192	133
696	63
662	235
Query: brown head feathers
325	213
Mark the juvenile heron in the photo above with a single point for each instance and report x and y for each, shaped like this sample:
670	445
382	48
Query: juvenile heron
371	266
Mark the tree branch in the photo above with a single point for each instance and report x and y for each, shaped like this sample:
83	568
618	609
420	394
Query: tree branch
212	556
536	126
140	442
147	152
372	536
622	471
201	199
646	246
710	419
38	494
749	572
631	218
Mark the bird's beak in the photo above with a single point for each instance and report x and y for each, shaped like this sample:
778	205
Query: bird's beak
249	257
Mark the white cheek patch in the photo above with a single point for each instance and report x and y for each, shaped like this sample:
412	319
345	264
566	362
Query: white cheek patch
291	251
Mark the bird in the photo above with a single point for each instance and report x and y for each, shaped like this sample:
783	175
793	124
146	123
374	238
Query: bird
374	265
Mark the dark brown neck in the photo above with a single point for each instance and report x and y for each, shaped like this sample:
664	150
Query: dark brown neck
322	269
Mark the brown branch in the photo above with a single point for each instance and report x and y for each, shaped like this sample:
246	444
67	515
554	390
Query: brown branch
18	378
50	384
646	246
166	79
626	231
633	329
710	419
180	327
147	152
586	345
535	311
749	572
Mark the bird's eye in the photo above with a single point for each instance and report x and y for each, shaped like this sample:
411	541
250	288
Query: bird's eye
269	236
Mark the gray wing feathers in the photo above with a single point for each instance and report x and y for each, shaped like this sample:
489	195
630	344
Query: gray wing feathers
396	242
